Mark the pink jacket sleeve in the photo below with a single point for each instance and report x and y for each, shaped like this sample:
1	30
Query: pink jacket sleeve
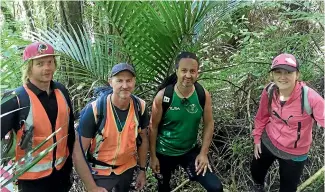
261	118
317	105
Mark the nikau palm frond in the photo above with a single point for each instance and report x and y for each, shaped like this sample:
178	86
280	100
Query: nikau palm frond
22	168
149	38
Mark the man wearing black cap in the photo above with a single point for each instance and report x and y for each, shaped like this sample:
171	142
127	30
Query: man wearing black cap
112	142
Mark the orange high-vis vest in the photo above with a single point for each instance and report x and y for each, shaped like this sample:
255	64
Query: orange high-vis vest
113	147
37	117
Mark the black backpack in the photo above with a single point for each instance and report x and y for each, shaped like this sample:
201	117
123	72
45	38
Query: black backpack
168	96
24	102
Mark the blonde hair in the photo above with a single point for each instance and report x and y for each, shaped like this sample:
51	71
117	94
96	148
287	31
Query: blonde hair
27	69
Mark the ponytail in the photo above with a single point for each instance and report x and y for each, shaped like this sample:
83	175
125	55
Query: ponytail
170	80
270	96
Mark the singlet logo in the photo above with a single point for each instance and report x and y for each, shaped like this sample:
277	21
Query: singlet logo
174	108
192	108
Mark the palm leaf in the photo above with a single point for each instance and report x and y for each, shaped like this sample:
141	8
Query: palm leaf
29	165
8	113
151	36
33	150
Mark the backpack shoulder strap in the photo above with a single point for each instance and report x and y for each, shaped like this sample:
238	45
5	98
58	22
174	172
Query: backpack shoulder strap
304	101
62	88
101	104
200	93
137	107
23	101
167	98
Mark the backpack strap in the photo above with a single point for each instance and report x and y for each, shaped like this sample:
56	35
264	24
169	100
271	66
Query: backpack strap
25	118
137	108
101	105
167	98
200	93
62	89
138	114
23	101
305	102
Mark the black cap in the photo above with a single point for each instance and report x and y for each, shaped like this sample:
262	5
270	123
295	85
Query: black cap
122	67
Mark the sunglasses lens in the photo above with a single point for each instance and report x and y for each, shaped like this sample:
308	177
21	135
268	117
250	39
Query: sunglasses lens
185	102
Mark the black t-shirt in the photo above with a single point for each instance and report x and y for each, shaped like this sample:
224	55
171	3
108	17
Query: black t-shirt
87	125
50	105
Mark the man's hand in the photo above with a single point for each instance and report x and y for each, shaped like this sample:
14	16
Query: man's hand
141	180
154	164
257	150
97	189
201	164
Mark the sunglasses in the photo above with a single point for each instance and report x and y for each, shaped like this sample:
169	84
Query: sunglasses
185	102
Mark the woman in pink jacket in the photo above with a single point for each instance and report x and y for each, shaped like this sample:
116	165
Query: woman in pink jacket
283	124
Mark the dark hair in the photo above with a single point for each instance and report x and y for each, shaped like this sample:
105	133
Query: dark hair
172	79
185	54
270	97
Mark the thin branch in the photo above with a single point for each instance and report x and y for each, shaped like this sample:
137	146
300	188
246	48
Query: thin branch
312	179
315	42
181	185
220	68
232	85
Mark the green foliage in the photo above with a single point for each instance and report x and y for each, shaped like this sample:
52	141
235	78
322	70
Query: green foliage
11	50
235	40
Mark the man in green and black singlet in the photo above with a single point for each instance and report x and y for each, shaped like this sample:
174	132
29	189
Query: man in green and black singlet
173	133
180	126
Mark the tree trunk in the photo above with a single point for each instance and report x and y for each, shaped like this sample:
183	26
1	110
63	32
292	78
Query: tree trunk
47	15
71	14
9	18
28	9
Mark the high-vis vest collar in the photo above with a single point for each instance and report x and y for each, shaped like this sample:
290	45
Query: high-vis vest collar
38	121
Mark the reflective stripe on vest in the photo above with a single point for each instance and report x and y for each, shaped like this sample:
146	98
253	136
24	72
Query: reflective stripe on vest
38	118
45	166
113	147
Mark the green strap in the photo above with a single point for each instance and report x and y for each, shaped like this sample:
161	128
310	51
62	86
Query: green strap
306	102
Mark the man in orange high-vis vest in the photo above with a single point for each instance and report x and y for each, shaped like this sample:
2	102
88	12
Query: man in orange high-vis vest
112	148
48	109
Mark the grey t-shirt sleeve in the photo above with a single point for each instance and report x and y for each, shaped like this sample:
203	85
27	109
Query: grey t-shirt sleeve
145	119
87	124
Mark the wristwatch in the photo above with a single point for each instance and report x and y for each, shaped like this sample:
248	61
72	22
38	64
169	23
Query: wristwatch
142	169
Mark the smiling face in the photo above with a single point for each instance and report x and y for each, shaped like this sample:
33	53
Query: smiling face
187	72
284	79
42	69
123	84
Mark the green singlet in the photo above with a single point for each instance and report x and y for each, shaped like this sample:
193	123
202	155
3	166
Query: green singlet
178	130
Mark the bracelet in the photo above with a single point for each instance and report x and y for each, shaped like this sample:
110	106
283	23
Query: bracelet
142	169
